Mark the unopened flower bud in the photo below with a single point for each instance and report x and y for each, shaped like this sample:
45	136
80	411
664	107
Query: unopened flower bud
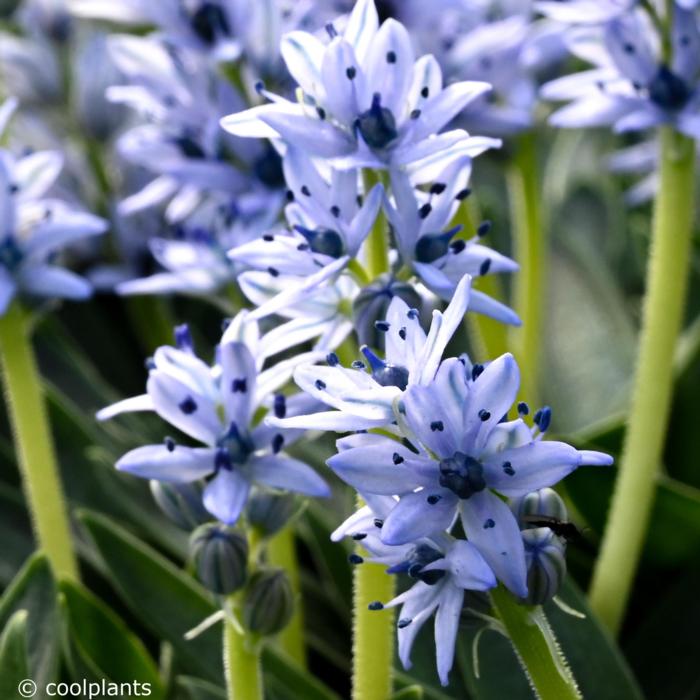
545	557
545	504
371	305
220	556
182	503
268	604
270	512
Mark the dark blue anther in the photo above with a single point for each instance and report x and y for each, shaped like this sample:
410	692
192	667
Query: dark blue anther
332	359
279	406
484	415
355	559
183	337
320	384
210	21
523	408
483	229
188	405
169	444
420	557
239	385
489	523
397	458
485	267
477	370
375	605
437	425
277	442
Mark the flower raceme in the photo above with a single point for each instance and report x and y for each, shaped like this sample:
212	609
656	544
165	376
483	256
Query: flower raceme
364	99
216	405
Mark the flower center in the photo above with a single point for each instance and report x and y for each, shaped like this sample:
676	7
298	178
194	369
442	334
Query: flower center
386	374
234	448
268	169
462	474
431	246
210	21
421	556
324	241
668	90
10	253
377	125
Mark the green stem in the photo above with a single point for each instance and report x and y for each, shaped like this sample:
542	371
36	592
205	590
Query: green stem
281	551
488	336
536	647
667	276
372	632
241	664
34	443
377	245
530	250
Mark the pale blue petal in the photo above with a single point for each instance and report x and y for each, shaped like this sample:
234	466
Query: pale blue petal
238	380
226	494
413	517
177	466
282	472
51	281
492	529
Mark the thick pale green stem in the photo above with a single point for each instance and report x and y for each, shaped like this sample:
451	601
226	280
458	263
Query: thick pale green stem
372	633
241	664
667	275
34	443
536	648
377	244
281	551
531	253
488	336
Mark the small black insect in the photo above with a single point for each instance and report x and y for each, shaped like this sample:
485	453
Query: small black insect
566	530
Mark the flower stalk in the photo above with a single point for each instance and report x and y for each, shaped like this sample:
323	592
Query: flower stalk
667	277
531	252
536	647
34	444
241	662
372	633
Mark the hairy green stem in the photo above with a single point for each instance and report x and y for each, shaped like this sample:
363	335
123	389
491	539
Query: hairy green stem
372	632
536	647
241	664
34	443
530	251
667	276
377	244
281	551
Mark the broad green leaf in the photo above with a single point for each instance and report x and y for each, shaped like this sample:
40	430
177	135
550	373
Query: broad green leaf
34	591
197	689
171	603
662	649
597	663
98	641
14	665
15	533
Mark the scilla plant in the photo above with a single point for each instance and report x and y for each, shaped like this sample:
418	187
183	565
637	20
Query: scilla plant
349	268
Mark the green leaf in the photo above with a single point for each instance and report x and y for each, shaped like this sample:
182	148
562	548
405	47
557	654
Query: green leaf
412	692
170	603
662	649
15	532
34	591
99	645
597	663
14	666
197	689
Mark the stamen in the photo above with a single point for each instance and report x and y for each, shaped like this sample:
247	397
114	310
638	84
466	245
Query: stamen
320	384
279	406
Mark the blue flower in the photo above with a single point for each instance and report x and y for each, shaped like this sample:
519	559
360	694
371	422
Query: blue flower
364	394
421	224
364	99
329	220
216	406
322	315
33	229
461	456
631	86
445	569
594	11
180	140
